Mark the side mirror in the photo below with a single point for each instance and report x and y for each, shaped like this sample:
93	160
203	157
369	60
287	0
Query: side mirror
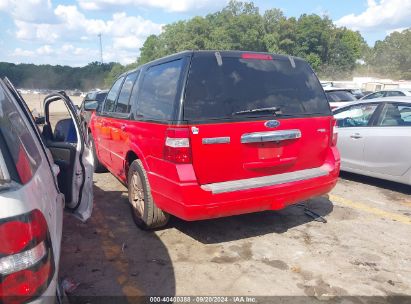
91	105
40	120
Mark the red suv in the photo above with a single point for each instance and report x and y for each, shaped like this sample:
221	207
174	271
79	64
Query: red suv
205	134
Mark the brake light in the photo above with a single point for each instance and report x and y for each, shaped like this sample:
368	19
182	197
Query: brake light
26	259
334	133
177	146
256	56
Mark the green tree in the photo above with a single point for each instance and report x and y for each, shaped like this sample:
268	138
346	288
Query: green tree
392	56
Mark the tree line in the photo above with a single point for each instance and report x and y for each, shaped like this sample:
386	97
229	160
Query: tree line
31	76
333	52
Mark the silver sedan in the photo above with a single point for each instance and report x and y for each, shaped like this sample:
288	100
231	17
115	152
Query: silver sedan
374	138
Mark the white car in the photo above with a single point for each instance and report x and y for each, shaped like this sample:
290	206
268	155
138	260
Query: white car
374	138
40	174
388	93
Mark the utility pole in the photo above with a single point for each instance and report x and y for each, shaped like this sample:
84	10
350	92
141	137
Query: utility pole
101	49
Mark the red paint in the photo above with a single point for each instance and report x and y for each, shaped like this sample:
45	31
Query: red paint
176	184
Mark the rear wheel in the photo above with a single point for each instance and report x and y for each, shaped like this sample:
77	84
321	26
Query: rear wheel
98	167
145	213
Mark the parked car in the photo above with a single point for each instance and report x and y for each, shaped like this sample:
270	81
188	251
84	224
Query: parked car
38	178
374	138
204	134
357	93
90	103
338	97
388	93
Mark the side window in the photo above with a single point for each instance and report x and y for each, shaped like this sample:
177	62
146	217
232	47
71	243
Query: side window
395	115
375	95
394	93
18	140
110	103
158	91
123	105
355	116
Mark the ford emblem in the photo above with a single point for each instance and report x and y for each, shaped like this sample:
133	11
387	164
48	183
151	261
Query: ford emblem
272	124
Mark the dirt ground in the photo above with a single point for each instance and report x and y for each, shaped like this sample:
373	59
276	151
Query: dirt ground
363	250
35	101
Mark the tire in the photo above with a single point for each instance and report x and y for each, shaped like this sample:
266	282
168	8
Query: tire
145	213
98	167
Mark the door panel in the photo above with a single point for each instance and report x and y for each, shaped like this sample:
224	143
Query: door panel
102	134
119	143
388	148
73	156
353	127
351	147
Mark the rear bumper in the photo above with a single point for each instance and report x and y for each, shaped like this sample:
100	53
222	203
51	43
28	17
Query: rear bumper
190	201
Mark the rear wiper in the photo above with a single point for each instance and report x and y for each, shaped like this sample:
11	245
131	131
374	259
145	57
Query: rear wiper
273	110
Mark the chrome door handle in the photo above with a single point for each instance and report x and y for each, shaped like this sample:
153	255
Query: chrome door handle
275	136
123	127
356	136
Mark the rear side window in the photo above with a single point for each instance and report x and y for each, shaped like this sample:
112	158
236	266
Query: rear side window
216	90
159	91
394	93
375	95
337	96
396	115
124	97
17	141
110	103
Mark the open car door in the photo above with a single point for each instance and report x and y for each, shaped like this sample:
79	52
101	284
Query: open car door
69	151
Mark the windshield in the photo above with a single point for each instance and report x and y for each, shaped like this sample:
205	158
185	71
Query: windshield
335	96
218	89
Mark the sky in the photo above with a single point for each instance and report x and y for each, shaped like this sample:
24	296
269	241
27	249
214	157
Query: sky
66	32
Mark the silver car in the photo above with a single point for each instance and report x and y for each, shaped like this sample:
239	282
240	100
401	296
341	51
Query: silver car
388	93
40	174
374	138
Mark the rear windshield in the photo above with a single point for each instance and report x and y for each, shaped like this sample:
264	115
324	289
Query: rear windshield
217	88
335	96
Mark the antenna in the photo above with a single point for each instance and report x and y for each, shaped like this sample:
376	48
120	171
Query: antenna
101	49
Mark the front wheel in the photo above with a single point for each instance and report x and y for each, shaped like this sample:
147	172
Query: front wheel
145	213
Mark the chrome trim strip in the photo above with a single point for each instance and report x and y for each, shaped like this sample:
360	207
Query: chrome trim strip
270	136
265	181
216	140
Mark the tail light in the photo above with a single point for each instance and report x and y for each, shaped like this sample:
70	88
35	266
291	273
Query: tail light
26	258
334	133
256	56
177	146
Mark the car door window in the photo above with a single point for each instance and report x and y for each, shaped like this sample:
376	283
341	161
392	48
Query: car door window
123	105
394	93
395	115
159	91
375	95
110	103
355	116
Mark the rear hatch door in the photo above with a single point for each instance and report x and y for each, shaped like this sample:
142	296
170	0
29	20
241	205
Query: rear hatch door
254	115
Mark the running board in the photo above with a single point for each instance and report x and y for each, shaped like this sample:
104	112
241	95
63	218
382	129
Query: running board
265	181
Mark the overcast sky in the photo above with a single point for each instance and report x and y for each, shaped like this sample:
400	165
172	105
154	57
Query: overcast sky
65	31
